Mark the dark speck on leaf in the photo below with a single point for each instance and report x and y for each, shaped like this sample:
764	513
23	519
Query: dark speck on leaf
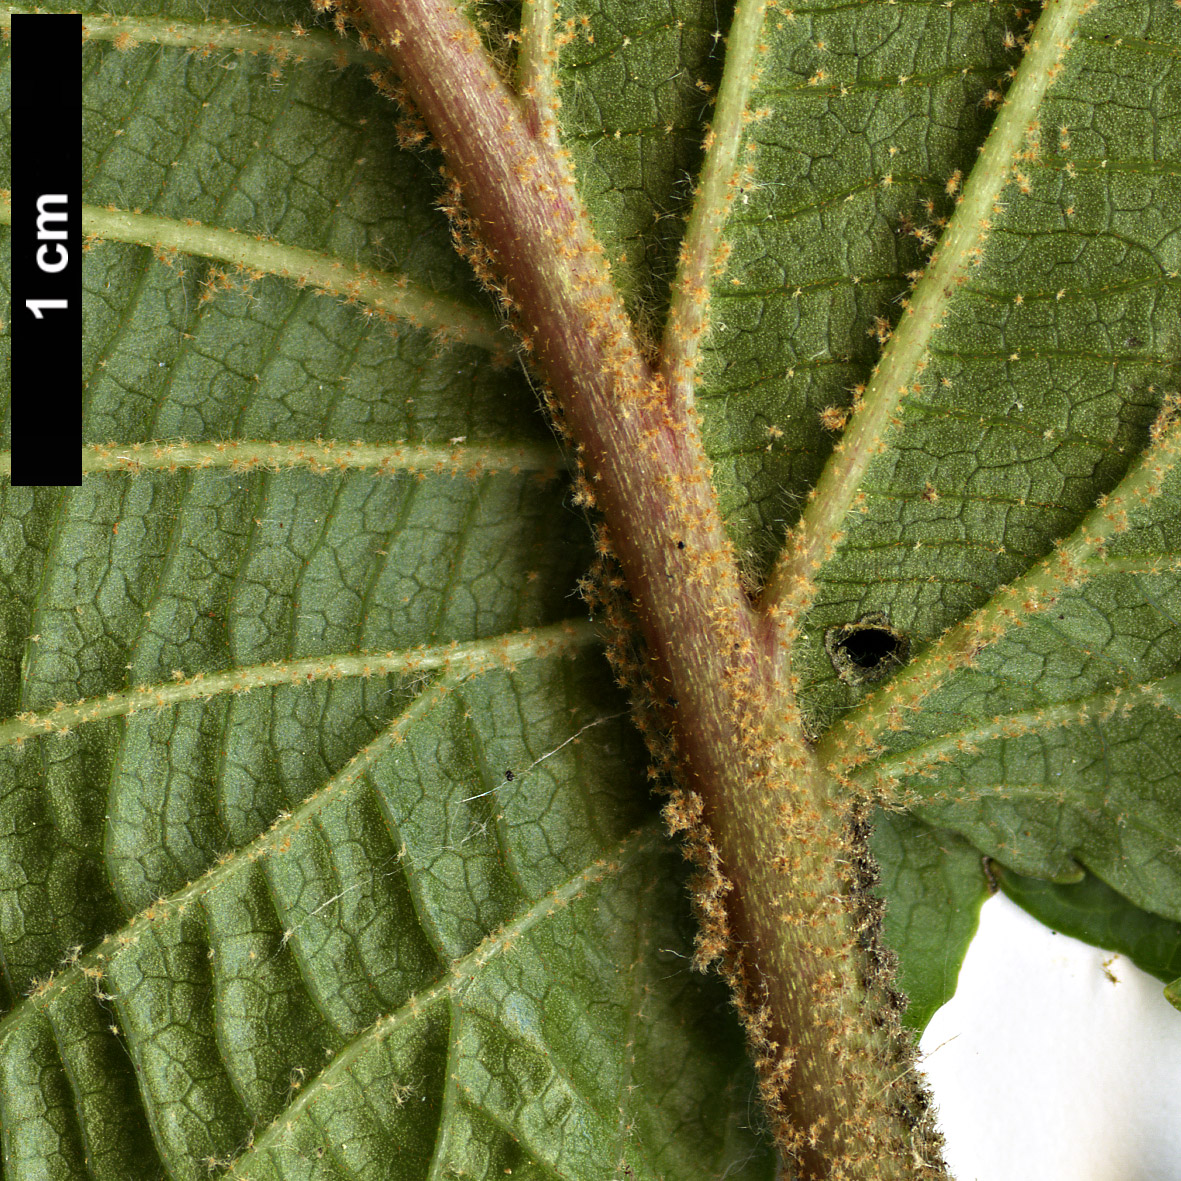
509	776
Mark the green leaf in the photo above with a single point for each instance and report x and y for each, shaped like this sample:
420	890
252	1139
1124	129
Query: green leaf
864	115
326	848
934	883
635	83
333	865
1060	747
1039	713
1095	913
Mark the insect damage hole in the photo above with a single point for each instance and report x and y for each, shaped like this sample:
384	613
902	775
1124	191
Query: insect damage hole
866	650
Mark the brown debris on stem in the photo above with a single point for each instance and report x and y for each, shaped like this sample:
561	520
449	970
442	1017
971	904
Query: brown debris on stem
783	866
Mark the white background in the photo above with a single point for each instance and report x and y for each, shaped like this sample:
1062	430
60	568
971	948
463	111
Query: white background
1045	1070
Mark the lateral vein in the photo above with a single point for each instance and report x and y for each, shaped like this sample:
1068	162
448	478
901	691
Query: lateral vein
274	839
322	456
461	972
476	656
395	297
466	661
537	65
294	44
791	586
882	777
703	251
1080	557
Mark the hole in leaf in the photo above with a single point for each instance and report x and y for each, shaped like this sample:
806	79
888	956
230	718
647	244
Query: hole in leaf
866	650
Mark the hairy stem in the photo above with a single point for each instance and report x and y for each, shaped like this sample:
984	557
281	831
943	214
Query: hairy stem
781	892
640	455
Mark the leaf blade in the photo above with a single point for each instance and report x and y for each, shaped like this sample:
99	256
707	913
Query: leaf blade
1096	914
245	549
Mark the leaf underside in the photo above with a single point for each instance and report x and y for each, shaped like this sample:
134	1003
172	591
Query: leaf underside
419	919
1094	912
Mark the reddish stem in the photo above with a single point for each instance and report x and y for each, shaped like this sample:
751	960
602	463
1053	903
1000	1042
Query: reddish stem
775	848
641	450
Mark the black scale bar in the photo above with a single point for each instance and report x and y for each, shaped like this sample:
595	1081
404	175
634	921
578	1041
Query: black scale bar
46	328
